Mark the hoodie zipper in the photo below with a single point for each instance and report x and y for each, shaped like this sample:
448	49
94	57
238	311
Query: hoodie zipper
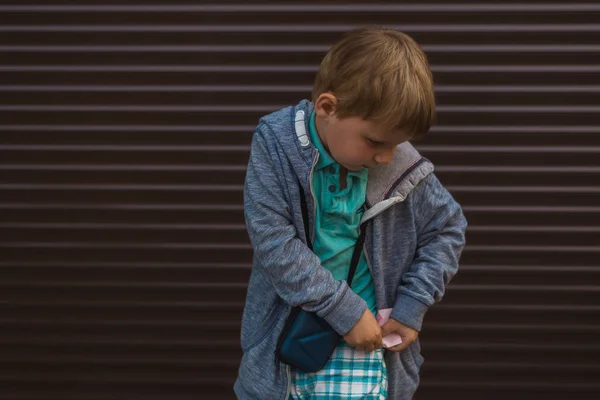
289	382
288	371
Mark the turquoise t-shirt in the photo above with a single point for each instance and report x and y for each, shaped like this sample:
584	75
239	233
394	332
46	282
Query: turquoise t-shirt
337	219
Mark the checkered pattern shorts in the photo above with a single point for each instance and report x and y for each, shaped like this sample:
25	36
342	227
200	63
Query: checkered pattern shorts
349	374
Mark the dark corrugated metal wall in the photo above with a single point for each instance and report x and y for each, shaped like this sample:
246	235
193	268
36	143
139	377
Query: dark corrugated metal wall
124	139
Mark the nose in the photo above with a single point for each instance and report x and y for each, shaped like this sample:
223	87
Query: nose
384	157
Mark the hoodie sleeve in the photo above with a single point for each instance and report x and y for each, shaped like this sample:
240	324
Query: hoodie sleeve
293	269
441	229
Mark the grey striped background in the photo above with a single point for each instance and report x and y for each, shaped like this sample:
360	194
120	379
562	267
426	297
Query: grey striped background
125	132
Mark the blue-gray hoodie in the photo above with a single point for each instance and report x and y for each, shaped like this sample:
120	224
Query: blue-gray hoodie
413	246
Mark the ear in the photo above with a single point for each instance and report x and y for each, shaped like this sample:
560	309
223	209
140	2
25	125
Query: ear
325	105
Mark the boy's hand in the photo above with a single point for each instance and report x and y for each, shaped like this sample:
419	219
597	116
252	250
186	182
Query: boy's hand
407	334
366	334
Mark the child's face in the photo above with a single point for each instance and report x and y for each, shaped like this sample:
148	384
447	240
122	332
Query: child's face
356	143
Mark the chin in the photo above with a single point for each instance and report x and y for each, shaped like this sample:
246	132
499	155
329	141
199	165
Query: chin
356	169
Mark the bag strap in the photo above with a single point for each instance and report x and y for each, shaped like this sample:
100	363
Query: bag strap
305	216
357	247
357	252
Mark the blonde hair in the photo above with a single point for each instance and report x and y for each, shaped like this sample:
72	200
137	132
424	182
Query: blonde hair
381	75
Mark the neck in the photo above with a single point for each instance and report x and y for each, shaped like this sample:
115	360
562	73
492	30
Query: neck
320	124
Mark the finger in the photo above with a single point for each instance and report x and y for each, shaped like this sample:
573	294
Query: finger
379	343
386	329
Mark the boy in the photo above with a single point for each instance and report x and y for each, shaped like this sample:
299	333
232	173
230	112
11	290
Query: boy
348	149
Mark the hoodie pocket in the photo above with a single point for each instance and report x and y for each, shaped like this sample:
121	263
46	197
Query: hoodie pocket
260	376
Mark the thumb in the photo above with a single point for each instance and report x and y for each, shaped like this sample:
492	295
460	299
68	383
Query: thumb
386	329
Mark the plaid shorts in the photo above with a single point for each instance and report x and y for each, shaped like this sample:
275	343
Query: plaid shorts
349	374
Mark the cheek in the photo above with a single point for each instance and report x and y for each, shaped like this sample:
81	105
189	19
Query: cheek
342	151
349	147
358	153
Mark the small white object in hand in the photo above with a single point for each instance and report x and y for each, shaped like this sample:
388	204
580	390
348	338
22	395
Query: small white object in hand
392	339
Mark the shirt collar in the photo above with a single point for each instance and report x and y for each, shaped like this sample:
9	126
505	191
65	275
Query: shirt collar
325	160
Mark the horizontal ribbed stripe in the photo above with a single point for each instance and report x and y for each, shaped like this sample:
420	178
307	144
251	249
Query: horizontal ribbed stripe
132	207
239	148
239	207
270	108
231	285
432	48
200	187
288	88
310	8
121	245
290	28
242	168
549	229
286	68
228	188
250	128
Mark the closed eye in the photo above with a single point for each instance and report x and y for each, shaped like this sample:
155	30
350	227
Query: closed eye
374	142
